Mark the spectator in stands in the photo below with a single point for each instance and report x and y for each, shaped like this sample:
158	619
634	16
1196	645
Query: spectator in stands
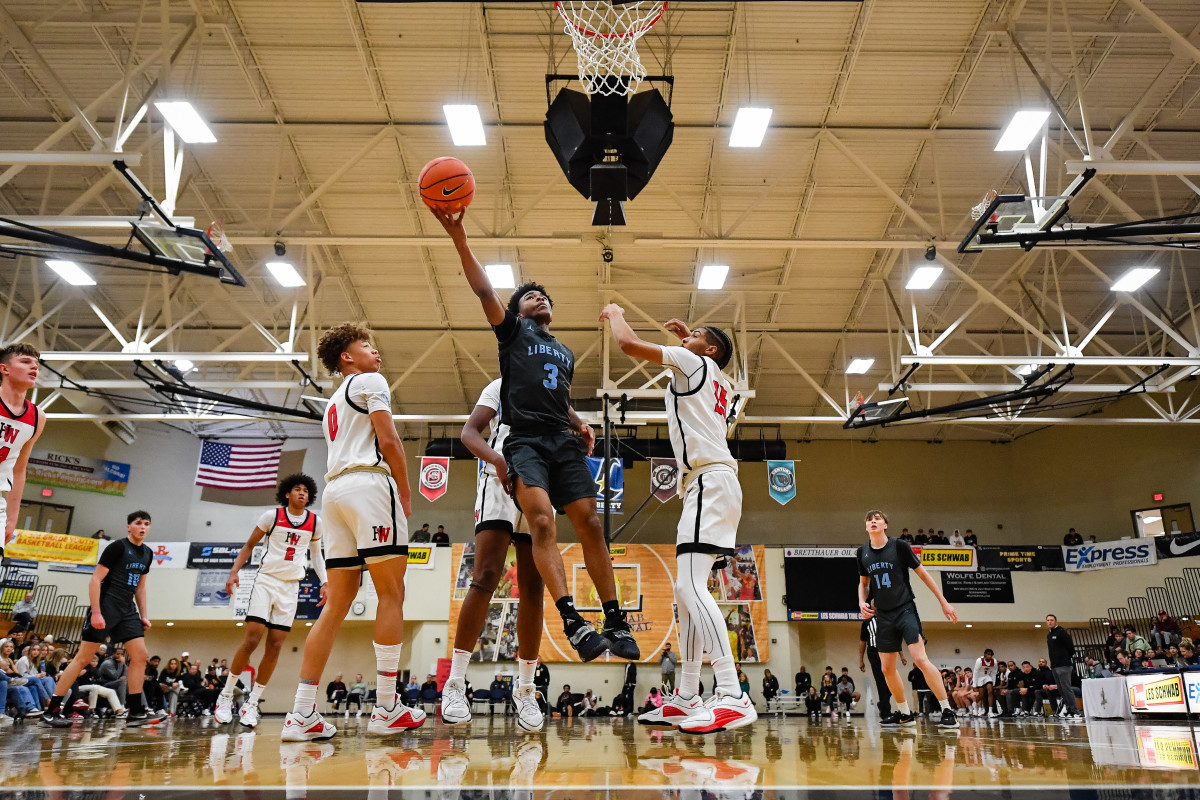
957	540
906	536
100	534
1187	652
1001	685
150	688
29	667
828	693
1047	687
803	682
770	686
667	662
421	536
1134	642
1124	663
441	538
430	684
24	612
335	692
971	540
1114	641
16	692
588	705
356	693
170	681
497	689
743	682
1165	631
115	675
921	538
1072	538
964	690
1022	691
847	695
1095	669
1062	654
653	700
196	691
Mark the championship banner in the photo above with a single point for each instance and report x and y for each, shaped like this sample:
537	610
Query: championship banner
978	587
56	548
1156	693
1181	545
664	478
1039	558
941	557
435	476
307	596
610	491
77	472
171	555
781	480
210	555
1109	555
210	588
645	576
420	556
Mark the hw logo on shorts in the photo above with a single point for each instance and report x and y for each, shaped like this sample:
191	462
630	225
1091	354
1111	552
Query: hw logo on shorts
381	533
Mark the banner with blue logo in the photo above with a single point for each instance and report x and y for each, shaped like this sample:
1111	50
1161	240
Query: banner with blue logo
1108	555
213	555
611	490
781	479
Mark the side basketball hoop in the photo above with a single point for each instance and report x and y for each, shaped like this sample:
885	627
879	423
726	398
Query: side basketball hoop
216	234
980	208
605	36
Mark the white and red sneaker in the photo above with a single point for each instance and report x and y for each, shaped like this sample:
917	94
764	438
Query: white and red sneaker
722	712
300	728
399	718
673	711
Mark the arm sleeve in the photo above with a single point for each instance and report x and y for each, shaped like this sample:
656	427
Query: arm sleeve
111	556
507	328
266	521
688	366
908	556
372	393
318	559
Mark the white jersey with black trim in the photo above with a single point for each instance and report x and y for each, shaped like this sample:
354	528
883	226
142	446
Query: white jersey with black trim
16	429
698	399
347	426
287	541
490	397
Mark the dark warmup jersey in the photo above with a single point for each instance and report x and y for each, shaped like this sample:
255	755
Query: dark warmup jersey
126	564
888	569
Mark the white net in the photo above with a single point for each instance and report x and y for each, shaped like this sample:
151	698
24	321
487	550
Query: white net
605	36
980	208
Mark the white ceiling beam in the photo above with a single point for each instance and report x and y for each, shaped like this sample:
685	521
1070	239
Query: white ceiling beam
1149	362
966	386
1178	39
337	175
225	383
69	221
98	159
109	356
1133	167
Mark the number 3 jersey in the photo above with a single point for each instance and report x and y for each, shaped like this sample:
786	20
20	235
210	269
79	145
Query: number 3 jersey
698	400
535	377
287	543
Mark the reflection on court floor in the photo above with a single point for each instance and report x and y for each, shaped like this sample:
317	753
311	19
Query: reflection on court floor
597	757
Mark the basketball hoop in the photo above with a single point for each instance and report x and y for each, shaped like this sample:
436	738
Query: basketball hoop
605	37
980	208
216	234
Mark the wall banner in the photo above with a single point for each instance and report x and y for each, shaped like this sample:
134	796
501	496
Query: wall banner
781	481
435	476
56	548
1109	555
77	472
212	555
941	557
982	586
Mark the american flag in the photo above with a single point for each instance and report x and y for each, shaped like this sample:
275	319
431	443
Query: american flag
239	466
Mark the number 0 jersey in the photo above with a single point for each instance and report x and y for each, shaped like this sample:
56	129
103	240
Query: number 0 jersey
347	426
536	371
15	431
286	543
490	397
698	399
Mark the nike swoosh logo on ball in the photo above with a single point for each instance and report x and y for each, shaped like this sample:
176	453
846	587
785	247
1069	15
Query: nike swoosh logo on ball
447	192
1177	549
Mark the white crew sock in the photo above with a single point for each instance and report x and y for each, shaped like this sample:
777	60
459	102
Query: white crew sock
458	664
387	664
689	682
946	705
725	668
306	699
904	709
256	693
525	670
227	689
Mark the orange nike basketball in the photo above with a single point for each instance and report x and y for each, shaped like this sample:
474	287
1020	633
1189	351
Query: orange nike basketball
447	184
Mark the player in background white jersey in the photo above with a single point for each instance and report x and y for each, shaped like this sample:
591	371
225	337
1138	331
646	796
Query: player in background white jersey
497	520
21	424
698	400
289	529
365	523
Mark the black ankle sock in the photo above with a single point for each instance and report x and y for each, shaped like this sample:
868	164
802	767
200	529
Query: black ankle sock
134	702
566	608
612	610
55	705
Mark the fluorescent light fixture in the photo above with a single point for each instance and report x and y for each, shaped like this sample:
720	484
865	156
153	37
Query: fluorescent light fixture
1037	626
1026	369
501	276
185	121
923	278
1021	130
712	276
859	366
285	274
70	272
1134	279
466	126
749	127
307	624
240	624
1148	520
184	365
969	625
170	624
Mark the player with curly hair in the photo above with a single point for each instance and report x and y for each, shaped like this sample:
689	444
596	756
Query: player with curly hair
288	530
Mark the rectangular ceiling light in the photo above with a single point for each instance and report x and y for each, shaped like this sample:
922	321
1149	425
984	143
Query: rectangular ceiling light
1021	130
859	366
1134	279
285	274
185	121
923	278
466	126
70	272
1026	369
712	276
501	276
749	127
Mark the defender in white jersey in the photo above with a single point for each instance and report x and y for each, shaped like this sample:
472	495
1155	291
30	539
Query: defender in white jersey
497	520
21	424
289	530
699	400
365	520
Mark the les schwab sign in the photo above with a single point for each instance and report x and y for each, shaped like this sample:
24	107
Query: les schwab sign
1156	694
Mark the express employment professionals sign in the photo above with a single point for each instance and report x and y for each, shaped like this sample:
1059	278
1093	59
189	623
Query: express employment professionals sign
1108	555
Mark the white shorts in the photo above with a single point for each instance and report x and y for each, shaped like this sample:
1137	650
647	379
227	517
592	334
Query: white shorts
273	602
712	509
495	510
362	520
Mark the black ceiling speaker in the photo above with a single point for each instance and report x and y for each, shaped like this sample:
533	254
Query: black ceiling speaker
608	146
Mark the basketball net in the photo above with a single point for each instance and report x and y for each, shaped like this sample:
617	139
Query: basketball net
605	37
980	208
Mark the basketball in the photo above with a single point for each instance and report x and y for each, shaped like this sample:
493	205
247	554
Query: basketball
447	184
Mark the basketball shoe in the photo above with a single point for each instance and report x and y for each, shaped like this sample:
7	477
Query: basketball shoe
587	642
248	714
455	707
721	712
223	713
673	711
620	637
400	717
298	728
529	713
